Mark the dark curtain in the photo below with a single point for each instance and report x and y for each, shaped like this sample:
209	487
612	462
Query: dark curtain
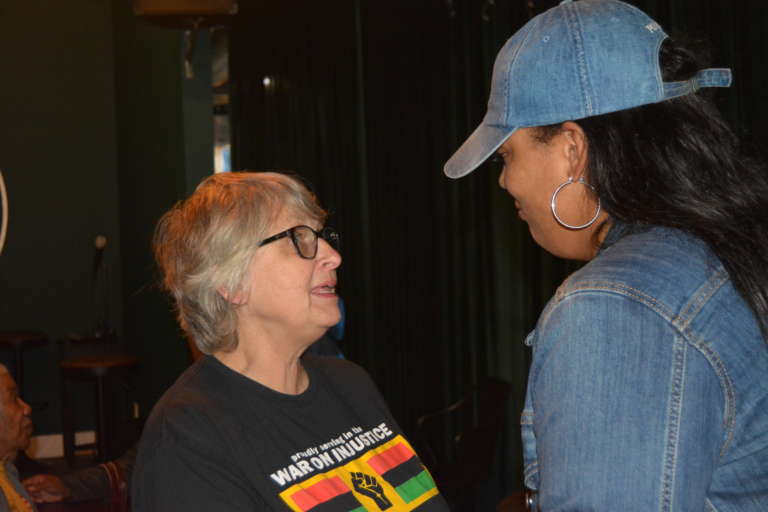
731	34
366	100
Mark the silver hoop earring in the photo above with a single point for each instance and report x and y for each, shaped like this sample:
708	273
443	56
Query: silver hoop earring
554	208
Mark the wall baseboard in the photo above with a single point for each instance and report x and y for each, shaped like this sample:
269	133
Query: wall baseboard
51	446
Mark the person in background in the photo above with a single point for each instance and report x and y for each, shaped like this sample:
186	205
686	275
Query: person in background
256	424
648	388
107	482
15	434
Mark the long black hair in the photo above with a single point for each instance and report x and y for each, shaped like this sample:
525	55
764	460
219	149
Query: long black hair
678	164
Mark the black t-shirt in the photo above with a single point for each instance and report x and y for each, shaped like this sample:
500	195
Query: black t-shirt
218	440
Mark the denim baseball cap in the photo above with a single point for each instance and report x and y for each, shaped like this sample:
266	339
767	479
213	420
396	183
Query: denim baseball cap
579	59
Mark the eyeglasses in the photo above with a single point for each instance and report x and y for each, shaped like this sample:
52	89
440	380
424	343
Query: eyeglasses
304	239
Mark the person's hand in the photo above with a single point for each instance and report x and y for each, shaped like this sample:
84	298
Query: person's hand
46	488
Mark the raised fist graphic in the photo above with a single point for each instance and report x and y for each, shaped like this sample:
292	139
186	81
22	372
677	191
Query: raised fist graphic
369	486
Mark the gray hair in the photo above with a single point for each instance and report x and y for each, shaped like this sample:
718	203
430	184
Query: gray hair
204	244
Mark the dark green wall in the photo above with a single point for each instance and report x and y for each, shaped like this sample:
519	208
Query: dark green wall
101	133
57	153
165	138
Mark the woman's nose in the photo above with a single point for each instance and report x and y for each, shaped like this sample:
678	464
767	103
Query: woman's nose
327	254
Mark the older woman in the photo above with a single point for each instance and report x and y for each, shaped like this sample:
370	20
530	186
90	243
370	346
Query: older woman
648	388
253	425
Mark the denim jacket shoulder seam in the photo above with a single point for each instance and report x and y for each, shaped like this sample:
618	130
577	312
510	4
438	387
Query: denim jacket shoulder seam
700	298
680	325
609	288
726	384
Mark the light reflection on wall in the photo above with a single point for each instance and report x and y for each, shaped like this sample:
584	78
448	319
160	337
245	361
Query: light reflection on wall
220	79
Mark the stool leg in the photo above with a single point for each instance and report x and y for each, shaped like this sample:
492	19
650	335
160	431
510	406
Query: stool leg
101	418
67	428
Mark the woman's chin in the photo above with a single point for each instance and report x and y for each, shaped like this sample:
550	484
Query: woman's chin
335	319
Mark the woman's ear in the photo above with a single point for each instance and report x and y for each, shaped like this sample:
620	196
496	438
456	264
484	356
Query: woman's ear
237	298
576	146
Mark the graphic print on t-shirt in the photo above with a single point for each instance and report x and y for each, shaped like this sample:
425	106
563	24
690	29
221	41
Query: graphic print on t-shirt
387	477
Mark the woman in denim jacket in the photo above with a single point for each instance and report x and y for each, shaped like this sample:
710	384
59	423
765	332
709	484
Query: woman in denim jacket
648	388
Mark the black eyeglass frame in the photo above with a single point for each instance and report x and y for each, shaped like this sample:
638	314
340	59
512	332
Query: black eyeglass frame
328	234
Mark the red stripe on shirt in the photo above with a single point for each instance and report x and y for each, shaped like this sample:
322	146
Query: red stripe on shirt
323	490
387	460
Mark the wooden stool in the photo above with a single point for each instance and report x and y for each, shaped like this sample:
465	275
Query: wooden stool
102	368
17	340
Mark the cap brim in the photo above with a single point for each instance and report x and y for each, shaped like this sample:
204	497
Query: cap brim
476	149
